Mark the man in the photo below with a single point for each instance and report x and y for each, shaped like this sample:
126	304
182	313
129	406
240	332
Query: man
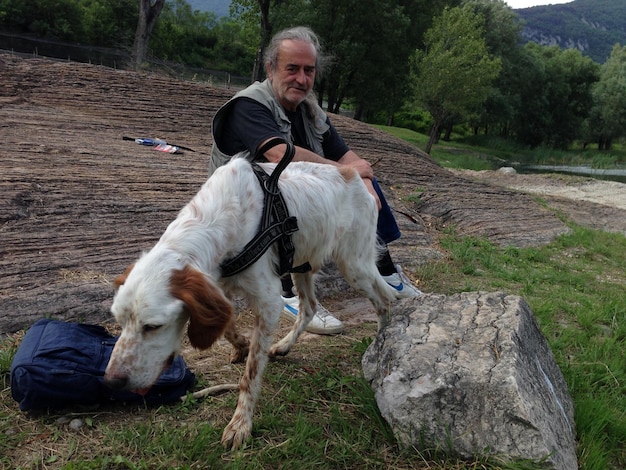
284	106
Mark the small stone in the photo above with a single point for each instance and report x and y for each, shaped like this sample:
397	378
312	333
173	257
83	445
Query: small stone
507	170
76	424
63	420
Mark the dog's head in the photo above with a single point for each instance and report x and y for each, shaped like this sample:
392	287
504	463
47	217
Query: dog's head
153	304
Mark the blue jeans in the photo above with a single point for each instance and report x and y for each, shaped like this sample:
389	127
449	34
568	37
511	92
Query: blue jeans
387	228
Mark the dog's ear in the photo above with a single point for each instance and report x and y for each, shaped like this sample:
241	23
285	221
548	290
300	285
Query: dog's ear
121	279
209	310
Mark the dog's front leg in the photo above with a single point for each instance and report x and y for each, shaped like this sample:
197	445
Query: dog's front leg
240	427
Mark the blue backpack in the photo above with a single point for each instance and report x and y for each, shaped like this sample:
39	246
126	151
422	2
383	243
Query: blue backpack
60	365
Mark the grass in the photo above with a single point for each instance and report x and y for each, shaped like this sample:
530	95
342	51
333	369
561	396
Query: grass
488	153
316	410
575	287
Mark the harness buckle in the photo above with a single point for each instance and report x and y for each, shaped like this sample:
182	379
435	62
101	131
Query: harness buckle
290	225
268	189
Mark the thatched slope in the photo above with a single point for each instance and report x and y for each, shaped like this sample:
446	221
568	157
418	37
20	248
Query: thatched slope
78	203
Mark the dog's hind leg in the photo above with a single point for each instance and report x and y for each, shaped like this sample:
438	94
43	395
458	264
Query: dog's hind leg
306	310
239	342
367	280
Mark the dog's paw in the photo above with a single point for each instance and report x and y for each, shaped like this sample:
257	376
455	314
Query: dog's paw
277	351
236	433
239	356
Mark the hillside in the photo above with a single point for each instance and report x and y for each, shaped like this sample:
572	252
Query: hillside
219	7
591	26
78	203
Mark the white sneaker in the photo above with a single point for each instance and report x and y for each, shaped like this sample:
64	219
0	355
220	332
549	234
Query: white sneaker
401	283
323	323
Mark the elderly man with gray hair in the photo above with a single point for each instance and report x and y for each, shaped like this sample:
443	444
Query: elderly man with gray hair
285	106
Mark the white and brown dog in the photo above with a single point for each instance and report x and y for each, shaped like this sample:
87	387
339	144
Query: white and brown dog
178	282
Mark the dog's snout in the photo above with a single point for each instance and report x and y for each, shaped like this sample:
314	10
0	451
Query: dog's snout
116	382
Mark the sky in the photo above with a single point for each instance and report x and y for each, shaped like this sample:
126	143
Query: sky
515	4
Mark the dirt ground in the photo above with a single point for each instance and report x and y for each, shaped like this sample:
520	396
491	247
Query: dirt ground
78	203
588	202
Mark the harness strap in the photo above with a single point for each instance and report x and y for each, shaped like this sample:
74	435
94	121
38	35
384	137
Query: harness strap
274	210
258	246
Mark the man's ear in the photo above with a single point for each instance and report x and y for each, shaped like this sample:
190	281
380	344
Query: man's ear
210	312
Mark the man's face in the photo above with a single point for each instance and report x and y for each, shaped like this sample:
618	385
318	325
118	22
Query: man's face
294	76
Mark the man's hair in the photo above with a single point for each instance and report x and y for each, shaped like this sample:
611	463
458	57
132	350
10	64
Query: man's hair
298	33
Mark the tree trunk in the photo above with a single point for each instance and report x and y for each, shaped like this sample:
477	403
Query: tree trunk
266	34
257	70
433	136
321	89
358	112
331	94
338	104
149	11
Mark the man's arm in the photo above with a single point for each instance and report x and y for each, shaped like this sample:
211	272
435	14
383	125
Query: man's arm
350	159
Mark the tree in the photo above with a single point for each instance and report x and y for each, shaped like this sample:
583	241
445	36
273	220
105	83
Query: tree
574	100
555	95
104	23
454	73
109	23
44	18
183	35
607	120
256	14
369	43
266	35
502	37
149	11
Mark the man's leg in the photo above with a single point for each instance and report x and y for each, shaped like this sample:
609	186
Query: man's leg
323	323
388	231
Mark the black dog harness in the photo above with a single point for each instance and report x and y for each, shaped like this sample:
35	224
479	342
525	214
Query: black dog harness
276	225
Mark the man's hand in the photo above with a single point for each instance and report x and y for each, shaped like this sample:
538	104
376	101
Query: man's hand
365	170
363	167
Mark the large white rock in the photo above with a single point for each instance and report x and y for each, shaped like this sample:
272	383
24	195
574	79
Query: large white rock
471	374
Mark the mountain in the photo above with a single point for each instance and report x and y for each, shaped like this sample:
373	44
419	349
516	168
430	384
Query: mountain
219	7
591	26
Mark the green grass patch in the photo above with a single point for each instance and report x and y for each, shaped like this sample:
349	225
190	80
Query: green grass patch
317	410
313	413
575	287
481	152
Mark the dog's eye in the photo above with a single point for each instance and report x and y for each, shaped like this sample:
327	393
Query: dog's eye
149	328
